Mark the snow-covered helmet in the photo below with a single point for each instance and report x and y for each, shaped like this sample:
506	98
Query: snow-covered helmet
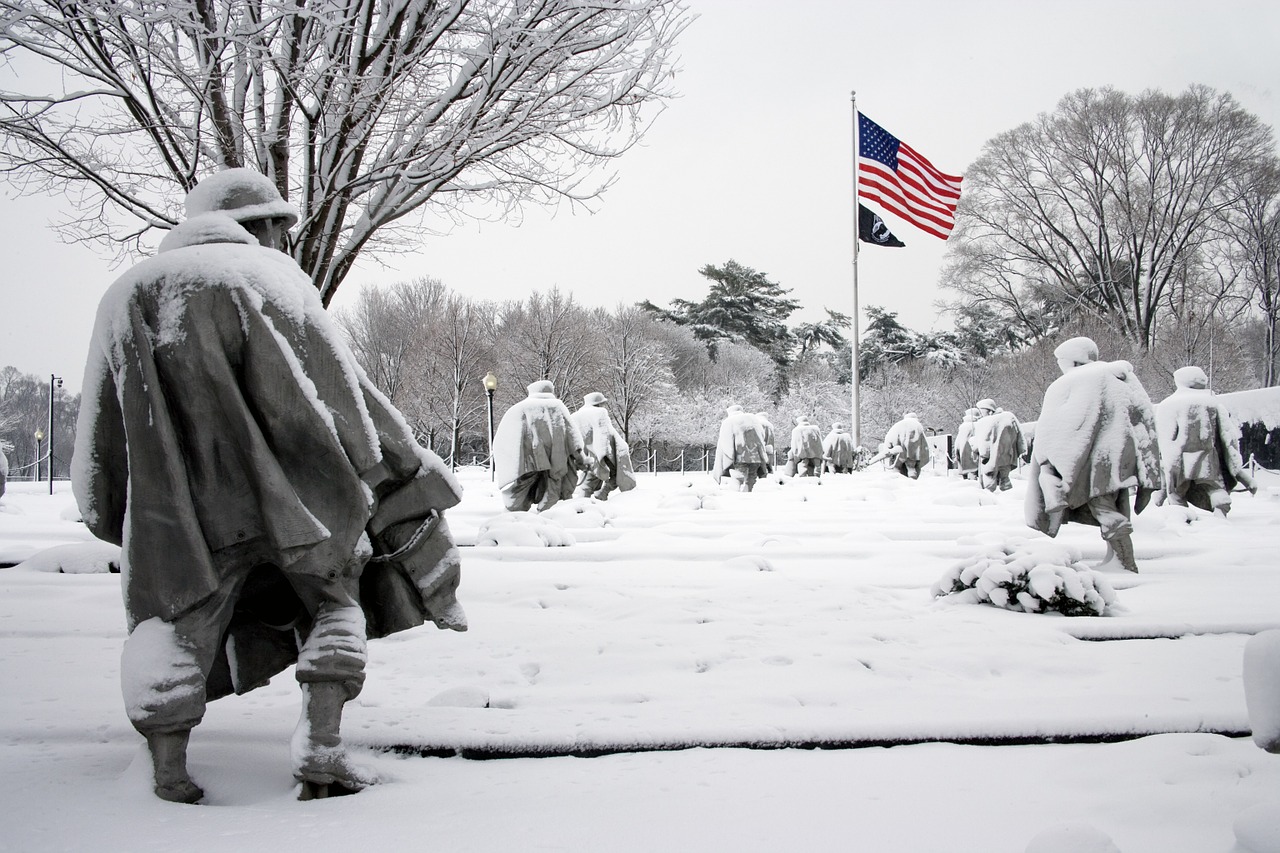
1190	377
243	194
542	386
1080	350
595	398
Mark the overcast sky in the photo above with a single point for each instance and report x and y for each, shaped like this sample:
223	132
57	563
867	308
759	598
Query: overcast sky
754	162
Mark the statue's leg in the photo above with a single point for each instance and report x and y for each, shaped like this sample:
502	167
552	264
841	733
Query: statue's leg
1123	545
1112	514
163	669
169	765
331	672
1219	498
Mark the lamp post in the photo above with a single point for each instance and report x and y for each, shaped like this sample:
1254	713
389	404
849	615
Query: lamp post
35	474
54	381
490	385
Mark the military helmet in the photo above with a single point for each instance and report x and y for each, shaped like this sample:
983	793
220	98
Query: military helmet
243	194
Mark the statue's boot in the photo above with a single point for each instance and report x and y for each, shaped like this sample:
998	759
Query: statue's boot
1123	547
169	763
320	760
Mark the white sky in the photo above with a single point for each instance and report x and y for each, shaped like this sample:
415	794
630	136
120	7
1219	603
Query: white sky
753	162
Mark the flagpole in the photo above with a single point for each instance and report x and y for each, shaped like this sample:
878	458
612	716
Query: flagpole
854	378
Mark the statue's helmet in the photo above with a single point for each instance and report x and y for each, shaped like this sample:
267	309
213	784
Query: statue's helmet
1080	350
1190	377
243	194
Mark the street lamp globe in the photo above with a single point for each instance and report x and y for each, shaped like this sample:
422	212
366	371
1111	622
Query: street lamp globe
490	382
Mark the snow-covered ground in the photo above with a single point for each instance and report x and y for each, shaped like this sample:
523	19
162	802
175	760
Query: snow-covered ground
758	630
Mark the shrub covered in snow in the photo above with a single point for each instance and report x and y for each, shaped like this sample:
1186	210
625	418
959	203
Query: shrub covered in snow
1031	577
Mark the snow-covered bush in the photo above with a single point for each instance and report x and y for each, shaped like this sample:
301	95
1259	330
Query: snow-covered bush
1031	577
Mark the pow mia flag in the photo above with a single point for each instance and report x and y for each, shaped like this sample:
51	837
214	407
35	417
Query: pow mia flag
871	229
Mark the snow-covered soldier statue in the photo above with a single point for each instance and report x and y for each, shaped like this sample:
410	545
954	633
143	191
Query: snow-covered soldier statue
804	456
998	444
4	470
538	451
966	458
604	444
906	446
272	506
837	450
741	452
1095	441
766	430
1199	445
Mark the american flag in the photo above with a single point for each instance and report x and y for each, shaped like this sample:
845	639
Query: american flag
904	182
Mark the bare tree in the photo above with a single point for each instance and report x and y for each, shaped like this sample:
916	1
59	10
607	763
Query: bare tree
460	349
1258	241
385	329
1104	207
636	365
369	114
550	336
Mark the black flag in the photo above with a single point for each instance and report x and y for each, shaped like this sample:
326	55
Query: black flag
871	229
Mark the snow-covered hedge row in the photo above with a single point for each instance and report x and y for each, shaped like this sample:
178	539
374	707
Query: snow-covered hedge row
1031	577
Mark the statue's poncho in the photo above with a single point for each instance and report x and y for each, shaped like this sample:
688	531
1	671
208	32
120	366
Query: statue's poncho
1095	436
740	443
837	448
806	441
908	436
997	442
221	406
536	435
1199	443
605	446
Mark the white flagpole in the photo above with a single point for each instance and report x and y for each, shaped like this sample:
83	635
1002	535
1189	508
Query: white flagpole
854	378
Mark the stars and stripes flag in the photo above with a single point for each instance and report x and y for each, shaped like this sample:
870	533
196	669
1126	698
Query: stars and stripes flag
906	184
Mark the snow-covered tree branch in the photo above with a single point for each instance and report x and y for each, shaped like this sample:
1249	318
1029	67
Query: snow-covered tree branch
379	118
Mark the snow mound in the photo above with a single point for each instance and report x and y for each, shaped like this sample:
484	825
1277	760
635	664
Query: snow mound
460	697
749	563
1030	577
580	513
1257	829
1072	838
681	500
81	558
976	496
523	528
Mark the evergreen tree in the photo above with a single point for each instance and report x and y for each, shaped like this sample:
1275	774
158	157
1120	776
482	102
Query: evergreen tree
743	306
